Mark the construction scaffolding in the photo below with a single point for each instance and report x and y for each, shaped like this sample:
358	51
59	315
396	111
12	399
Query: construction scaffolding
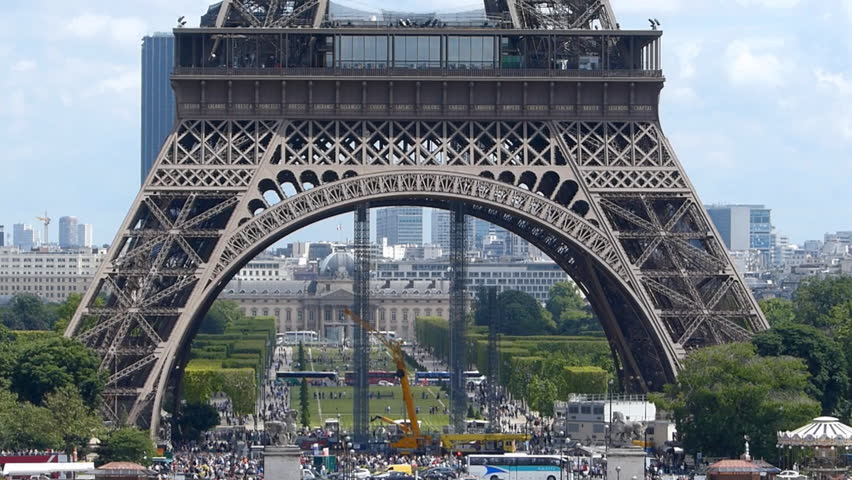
360	336
493	382
458	362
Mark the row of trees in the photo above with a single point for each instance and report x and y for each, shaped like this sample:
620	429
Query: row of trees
29	312
518	313
49	387
798	369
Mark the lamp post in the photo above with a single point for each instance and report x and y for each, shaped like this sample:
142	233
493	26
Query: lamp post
608	438
618	472
347	445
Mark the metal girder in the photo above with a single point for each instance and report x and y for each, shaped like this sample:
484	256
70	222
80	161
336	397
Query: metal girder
607	200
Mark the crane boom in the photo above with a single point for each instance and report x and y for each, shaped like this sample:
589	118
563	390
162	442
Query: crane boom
395	349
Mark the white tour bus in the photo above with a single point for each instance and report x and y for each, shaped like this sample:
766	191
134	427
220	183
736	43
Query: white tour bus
308	337
516	466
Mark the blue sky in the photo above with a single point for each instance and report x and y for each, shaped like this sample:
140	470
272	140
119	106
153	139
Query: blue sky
758	104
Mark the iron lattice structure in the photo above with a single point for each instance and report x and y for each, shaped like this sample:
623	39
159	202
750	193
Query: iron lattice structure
457	324
361	337
568	154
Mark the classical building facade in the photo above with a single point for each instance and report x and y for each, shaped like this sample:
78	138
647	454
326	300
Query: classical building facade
50	275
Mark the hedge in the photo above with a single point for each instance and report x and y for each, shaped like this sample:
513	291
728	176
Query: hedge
202	380
582	380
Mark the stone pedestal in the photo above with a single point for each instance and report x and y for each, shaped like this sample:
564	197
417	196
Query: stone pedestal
631	461
282	462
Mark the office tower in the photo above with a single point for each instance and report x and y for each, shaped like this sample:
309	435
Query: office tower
84	235
743	227
441	230
400	225
68	232
23	236
158	100
2	236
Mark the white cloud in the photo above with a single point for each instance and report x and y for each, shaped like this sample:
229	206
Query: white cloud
650	7
123	30
753	62
834	81
23	66
683	96
686	54
770	3
119	83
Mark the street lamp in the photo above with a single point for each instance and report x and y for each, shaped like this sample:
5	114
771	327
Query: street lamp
618	472
349	468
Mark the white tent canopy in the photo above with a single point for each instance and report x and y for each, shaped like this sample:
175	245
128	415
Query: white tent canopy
20	469
821	432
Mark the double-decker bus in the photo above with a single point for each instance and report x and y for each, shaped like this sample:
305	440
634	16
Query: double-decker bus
373	377
295	378
431	377
518	467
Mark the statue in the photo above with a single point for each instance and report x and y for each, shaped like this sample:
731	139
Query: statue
625	431
282	433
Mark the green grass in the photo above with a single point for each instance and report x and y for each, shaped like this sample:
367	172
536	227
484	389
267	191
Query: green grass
332	359
343	406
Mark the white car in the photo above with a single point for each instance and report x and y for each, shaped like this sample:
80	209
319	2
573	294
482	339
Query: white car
789	475
360	473
385	383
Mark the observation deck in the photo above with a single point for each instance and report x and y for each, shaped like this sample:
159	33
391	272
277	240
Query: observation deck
425	65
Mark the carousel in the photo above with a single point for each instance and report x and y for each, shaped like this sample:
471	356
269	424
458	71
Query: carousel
821	449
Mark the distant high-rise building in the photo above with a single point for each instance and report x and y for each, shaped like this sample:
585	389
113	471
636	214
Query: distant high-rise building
2	236
23	236
68	232
84	235
742	227
400	225
158	100
441	230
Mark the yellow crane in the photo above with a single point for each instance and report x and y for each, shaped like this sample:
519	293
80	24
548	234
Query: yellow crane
412	439
46	221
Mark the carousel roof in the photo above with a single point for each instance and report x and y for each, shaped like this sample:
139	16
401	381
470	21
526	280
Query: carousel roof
822	431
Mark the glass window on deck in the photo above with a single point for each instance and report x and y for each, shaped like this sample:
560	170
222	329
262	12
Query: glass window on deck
470	52
358	51
416	51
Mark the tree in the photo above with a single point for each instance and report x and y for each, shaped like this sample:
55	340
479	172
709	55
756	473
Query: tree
28	312
127	445
65	311
518	313
24	426
47	365
193	420
778	311
570	310
542	394
822	355
304	405
301	358
221	314
74	421
727	391
815	299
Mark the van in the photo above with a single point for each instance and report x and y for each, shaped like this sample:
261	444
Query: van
399	468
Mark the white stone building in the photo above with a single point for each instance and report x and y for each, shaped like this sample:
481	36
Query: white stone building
49	274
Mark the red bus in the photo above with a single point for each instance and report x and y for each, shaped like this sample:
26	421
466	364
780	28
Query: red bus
373	377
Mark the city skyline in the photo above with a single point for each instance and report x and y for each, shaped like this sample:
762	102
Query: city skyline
749	101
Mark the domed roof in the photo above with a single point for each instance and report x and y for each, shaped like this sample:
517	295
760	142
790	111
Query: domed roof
822	431
337	264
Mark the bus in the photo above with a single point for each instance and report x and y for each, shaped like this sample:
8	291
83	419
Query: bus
307	337
471	377
295	378
518	467
373	377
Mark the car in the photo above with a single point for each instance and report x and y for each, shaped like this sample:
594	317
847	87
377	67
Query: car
393	476
385	383
439	473
789	475
360	473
